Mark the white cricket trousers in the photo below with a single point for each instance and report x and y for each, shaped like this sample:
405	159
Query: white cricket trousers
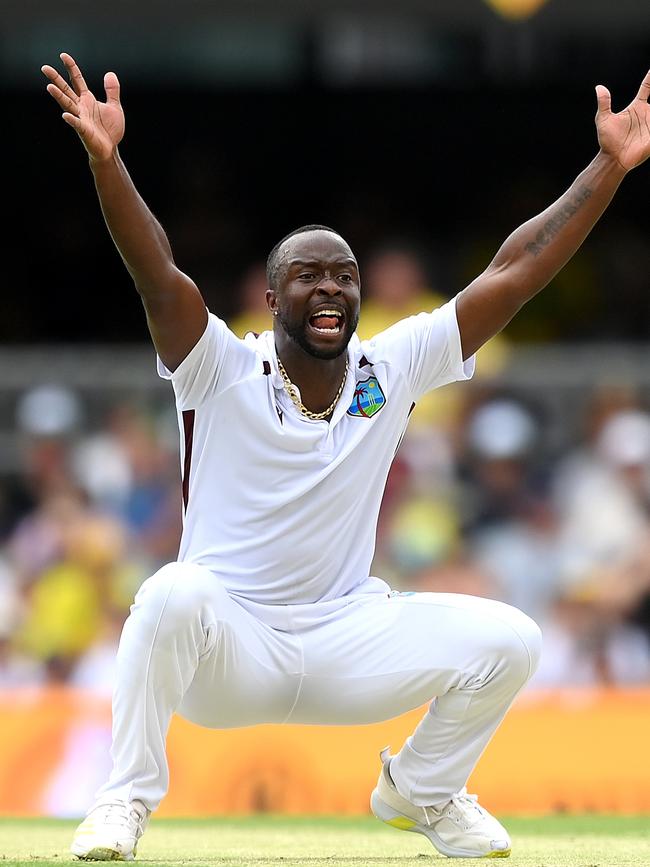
189	647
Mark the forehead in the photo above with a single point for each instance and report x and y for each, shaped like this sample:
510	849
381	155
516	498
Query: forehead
315	246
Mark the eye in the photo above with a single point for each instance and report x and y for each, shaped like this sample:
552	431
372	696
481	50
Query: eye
345	278
306	276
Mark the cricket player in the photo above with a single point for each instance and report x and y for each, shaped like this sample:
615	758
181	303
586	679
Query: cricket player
269	615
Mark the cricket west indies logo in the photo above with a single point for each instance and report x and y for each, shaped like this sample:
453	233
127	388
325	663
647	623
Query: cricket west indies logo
368	398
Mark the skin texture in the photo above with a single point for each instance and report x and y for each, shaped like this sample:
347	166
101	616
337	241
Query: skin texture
313	264
175	310
536	251
318	270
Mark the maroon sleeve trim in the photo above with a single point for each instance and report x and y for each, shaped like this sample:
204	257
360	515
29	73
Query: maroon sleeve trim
188	434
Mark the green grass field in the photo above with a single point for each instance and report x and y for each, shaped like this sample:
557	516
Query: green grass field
560	841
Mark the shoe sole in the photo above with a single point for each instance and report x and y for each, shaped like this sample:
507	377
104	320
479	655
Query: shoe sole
397	820
104	853
100	854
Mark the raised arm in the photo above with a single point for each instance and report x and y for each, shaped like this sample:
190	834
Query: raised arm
175	310
536	251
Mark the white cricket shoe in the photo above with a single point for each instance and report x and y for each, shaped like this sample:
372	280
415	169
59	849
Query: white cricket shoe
110	831
459	829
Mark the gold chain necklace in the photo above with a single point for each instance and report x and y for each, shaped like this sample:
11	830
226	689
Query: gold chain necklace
292	391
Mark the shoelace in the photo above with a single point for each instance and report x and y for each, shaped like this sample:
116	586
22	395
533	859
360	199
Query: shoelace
461	800
117	812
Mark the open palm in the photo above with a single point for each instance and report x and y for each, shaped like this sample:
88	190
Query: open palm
100	125
626	135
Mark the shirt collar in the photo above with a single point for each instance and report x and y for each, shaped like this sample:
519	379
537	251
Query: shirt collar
266	346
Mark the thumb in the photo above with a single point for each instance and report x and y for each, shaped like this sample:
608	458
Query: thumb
604	98
112	88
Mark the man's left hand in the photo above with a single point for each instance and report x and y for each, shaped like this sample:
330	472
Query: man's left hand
625	136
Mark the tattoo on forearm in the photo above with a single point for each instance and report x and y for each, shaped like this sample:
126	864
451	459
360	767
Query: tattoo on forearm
559	219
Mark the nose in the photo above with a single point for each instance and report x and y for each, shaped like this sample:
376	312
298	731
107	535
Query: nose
328	286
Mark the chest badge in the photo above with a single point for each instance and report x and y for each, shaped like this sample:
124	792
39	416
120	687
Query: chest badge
368	398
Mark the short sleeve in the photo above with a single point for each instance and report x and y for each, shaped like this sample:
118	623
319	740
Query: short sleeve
426	348
217	360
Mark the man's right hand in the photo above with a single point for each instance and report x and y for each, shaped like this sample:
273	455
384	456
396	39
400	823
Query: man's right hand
176	312
100	125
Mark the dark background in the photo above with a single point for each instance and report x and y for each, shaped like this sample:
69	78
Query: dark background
445	127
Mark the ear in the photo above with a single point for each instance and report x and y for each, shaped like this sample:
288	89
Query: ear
272	301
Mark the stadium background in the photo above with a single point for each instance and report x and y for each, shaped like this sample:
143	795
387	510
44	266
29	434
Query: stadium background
423	135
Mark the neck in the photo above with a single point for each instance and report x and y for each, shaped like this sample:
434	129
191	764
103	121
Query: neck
318	379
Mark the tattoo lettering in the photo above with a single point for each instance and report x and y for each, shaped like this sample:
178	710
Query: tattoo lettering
557	221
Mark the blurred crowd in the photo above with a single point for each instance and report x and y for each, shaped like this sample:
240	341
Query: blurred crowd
480	500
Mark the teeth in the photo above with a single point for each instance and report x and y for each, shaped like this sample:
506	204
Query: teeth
327	313
327	330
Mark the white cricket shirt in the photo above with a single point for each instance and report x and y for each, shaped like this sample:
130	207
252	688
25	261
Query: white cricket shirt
284	509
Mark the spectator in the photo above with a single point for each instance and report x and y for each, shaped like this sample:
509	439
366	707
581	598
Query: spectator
513	531
253	315
396	286
605	505
68	604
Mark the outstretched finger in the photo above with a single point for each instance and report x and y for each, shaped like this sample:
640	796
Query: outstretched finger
644	90
77	79
75	122
112	88
59	82
604	98
64	101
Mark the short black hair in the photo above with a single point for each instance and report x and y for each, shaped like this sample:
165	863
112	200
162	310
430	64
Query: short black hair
273	263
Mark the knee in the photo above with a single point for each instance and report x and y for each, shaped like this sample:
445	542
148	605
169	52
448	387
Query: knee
176	596
522	644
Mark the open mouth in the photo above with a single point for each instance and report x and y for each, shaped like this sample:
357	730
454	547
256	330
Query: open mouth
327	321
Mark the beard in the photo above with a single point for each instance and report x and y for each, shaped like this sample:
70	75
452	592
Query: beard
297	331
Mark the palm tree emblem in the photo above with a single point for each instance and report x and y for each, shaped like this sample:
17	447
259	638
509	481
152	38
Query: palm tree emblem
368	398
